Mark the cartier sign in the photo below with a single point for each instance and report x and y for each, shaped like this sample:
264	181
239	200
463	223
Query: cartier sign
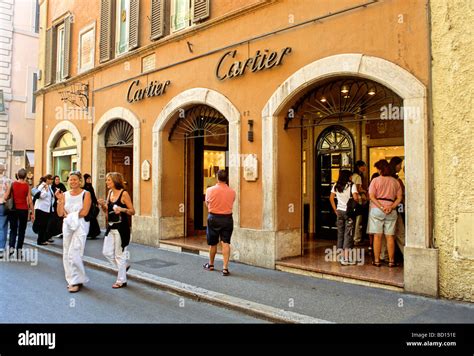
154	88
226	68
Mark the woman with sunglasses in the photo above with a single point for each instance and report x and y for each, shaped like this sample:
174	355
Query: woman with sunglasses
74	205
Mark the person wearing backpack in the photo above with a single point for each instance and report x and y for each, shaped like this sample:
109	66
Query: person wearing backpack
343	191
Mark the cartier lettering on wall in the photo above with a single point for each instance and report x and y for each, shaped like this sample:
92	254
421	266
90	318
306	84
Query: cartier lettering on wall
154	88
226	68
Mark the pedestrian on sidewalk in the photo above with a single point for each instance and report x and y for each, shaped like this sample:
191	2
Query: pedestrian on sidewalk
343	190
20	191
118	208
219	200
43	211
4	184
358	180
94	229
73	206
56	222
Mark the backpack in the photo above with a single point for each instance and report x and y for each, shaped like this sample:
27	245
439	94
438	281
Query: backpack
353	209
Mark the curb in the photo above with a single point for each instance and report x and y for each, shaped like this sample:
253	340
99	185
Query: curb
248	307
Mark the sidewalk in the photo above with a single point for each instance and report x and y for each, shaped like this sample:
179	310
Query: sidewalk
271	294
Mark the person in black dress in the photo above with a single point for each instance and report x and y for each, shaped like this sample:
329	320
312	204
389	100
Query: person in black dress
94	229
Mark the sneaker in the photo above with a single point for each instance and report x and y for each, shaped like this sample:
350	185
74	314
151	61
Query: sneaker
11	251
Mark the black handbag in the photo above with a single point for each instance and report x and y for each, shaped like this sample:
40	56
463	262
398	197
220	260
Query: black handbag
10	202
353	209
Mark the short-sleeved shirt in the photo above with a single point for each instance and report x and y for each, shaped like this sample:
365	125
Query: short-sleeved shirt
343	198
220	199
385	189
356	179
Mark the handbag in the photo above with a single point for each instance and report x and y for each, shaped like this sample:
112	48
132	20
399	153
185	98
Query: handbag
10	202
353	209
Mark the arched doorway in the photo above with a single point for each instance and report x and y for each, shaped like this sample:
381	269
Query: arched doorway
169	206
65	156
119	151
334	152
204	132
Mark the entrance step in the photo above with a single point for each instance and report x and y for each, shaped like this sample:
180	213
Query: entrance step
195	245
339	276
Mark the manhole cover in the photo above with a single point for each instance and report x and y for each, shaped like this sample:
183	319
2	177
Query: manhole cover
155	263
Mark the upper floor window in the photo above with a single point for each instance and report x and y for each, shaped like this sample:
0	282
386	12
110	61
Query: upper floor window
118	27
186	12
58	49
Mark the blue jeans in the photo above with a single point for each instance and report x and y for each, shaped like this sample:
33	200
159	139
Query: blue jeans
3	227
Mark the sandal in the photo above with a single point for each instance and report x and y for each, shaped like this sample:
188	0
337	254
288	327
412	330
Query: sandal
225	272
376	264
392	264
117	285
208	266
74	289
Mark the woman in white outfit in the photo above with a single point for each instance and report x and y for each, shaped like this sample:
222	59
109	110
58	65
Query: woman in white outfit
118	208
74	205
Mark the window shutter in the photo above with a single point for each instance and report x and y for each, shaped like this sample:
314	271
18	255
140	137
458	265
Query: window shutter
133	24
48	66
106	33
157	19
67	47
201	10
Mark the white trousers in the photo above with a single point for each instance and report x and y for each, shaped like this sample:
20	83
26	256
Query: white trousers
74	243
112	250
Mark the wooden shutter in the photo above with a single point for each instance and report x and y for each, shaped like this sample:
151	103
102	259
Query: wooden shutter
157	19
106	36
201	10
67	47
48	66
133	32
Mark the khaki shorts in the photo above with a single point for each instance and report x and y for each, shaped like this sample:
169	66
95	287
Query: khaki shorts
381	223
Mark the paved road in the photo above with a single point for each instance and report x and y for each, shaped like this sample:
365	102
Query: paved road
38	294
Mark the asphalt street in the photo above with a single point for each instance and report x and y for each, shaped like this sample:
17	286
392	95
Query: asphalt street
37	294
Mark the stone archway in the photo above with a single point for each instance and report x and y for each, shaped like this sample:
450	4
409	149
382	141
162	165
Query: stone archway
98	151
58	130
185	99
418	192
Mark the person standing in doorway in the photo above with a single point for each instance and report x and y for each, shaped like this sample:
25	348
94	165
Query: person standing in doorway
220	224
118	208
73	206
20	191
343	190
4	184
358	179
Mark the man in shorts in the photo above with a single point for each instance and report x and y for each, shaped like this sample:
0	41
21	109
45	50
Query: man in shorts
219	200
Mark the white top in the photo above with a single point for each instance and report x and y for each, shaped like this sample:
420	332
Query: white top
4	183
356	179
343	198
74	204
46	199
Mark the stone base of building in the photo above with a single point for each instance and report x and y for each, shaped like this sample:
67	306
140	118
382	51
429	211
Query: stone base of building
263	248
145	230
421	273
